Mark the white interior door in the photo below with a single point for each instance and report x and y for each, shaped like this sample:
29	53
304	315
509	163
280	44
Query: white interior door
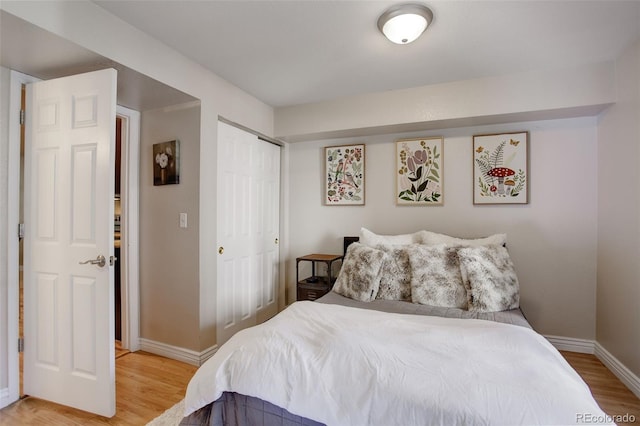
248	227
69	186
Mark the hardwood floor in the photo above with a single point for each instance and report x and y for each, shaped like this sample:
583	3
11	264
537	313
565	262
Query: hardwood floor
148	384
612	395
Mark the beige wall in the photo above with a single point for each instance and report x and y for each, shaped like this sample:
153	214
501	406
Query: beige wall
618	313
169	283
552	240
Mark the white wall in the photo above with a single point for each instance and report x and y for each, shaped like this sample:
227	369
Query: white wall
552	239
169	284
536	95
618	314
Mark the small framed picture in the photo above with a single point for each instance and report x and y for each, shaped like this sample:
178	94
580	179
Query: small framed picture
501	168
166	163
419	172
344	175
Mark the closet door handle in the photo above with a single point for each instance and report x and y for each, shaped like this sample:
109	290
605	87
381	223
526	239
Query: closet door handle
220	250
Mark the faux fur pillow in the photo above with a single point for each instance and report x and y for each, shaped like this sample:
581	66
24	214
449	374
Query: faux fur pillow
395	280
359	277
433	239
435	276
490	279
370	239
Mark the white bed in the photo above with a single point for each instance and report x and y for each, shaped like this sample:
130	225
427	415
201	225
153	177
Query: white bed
391	362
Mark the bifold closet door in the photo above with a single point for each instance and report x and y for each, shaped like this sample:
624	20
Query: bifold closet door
248	230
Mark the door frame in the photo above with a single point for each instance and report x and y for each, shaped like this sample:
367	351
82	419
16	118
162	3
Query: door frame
130	281
12	392
129	246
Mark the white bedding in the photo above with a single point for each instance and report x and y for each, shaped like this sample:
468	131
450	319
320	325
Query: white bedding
346	366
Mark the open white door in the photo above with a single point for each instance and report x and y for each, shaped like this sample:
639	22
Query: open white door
68	291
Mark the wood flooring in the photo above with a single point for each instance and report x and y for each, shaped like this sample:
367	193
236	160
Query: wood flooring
147	385
611	394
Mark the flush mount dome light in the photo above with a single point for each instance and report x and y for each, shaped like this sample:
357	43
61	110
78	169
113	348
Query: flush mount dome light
403	23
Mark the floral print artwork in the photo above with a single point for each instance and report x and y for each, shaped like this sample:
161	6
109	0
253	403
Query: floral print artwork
166	164
344	174
500	168
419	171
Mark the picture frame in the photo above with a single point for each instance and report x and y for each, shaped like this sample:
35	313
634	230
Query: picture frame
501	168
166	163
344	175
420	171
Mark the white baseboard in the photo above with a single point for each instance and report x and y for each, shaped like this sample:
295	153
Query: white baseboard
571	344
625	375
179	354
4	397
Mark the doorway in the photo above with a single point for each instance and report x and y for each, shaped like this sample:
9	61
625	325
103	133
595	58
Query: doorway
122	283
129	125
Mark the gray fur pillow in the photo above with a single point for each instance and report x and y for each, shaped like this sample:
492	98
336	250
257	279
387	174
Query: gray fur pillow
359	277
490	279
395	280
435	276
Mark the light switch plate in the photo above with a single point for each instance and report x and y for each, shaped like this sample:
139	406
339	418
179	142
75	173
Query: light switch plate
183	220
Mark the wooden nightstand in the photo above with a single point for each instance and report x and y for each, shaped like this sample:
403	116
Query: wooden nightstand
313	287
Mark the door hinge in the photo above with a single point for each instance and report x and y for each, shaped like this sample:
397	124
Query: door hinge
22	117
20	344
21	230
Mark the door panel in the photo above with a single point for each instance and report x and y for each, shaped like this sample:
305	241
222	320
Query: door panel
248	226
69	188
268	185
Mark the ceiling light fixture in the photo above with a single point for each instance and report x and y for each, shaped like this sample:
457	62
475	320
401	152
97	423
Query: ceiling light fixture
403	23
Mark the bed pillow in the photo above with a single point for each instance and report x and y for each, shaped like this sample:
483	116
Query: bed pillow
395	279
359	277
435	276
490	279
371	239
433	239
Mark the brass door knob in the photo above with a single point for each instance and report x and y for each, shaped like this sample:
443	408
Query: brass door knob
220	250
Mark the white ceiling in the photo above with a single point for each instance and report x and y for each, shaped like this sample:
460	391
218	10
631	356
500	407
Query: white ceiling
36	52
294	52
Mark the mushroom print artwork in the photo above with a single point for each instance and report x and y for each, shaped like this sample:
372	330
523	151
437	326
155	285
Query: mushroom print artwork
344	175
500	171
419	172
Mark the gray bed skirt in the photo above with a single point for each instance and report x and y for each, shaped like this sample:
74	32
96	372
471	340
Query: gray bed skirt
233	409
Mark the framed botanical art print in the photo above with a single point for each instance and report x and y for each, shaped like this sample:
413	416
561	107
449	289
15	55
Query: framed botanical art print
501	168
419	172
344	175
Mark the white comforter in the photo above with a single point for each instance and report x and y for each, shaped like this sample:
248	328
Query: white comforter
347	366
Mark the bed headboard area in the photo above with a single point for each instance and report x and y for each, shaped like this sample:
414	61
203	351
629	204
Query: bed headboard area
431	238
347	242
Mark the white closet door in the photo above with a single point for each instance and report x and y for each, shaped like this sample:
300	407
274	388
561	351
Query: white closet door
248	227
267	227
